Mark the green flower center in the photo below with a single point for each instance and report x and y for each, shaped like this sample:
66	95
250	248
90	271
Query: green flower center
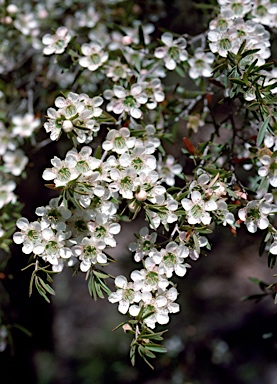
82	166
152	278
127	183
225	44
64	174
119	142
90	252
51	248
237	8
100	232
137	164
261	10
32	235
54	215
130	101
170	260
196	211
146	245
129	294
95	59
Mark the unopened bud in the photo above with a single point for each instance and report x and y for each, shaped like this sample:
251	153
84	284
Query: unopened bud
141	195
67	125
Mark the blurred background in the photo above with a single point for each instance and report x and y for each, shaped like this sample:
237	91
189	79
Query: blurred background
216	338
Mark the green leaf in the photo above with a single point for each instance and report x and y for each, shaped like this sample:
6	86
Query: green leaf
237	81
102	275
156	348
262	131
46	287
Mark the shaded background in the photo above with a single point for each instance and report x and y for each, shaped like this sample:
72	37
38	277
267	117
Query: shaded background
217	338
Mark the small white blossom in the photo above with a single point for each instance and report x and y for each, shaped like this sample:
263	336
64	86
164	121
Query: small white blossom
197	209
255	214
56	43
94	56
125	294
24	126
269	168
15	162
200	64
173	52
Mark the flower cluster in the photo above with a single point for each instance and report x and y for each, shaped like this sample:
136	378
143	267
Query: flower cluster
116	127
76	114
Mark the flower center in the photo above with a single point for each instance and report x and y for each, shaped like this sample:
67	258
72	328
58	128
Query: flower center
169	260
51	248
129	294
152	278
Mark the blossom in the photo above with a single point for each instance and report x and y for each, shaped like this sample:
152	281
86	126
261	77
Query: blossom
125	294
24	126
145	244
255	213
149	279
269	168
173	52
56	43
94	56
6	192
167	169
265	12
77	114
63	171
15	162
171	259
89	251
118	141
54	215
116	70
197	209
53	248
124	100
162	305
30	236
200	64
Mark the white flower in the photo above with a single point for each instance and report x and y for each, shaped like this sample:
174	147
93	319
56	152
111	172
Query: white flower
173	51
125	294
6	192
54	215
56	43
77	114
30	236
145	244
124	100
167	169
118	141
149	279
200	64
255	213
15	162
53	248
197	209
269	168
103	229
63	172
172	259
89	251
94	56
24	126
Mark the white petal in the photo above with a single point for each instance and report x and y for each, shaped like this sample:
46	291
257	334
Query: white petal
123	307
121	281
